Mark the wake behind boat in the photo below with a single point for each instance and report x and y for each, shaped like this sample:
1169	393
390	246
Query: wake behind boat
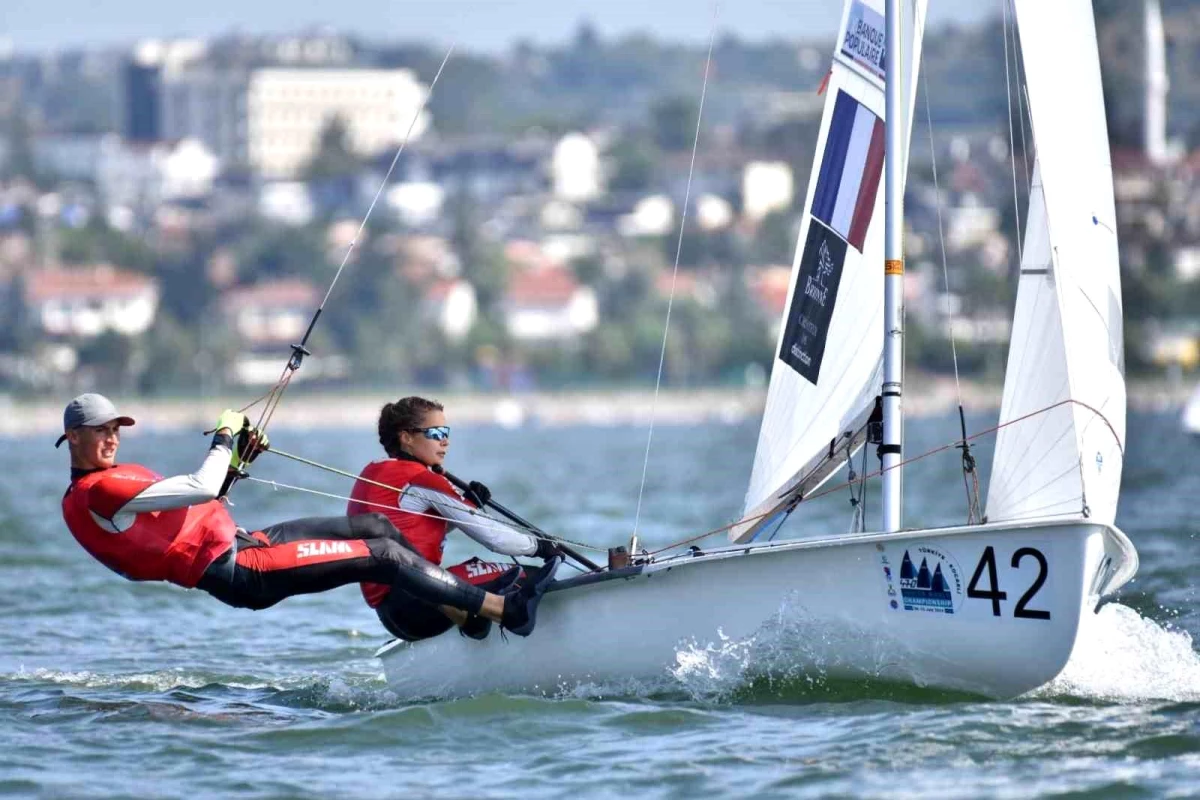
990	608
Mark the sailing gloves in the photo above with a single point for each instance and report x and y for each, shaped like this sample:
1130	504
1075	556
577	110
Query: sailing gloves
233	420
478	494
547	549
248	441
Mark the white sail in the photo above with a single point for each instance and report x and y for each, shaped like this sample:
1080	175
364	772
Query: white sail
1061	450
827	368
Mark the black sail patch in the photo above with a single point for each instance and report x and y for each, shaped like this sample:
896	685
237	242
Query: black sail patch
813	301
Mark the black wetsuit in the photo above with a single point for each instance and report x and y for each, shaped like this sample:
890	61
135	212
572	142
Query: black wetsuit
314	554
406	616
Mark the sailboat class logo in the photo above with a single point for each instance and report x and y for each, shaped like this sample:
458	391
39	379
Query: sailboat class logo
930	581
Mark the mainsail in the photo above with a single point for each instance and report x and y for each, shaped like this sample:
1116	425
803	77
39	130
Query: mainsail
828	361
1061	449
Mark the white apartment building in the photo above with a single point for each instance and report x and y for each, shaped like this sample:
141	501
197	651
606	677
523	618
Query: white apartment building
271	119
287	109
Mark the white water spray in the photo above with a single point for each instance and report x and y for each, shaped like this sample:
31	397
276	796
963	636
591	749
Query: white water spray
1121	656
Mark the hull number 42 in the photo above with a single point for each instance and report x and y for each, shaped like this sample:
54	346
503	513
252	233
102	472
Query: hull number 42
986	572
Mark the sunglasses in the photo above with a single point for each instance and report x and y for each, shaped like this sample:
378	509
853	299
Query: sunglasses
437	433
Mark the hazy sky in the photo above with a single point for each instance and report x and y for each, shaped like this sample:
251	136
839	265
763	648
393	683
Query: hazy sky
474	24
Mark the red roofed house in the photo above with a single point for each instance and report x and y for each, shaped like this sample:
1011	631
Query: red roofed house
769	288
524	254
696	287
89	301
546	305
451	305
272	312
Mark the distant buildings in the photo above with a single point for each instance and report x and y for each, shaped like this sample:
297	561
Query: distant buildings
286	109
548	305
130	174
267	319
451	306
766	186
485	168
85	303
213	137
267	118
576	168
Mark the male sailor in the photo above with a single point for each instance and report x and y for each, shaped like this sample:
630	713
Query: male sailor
147	527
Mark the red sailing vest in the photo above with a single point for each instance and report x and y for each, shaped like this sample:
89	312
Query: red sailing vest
424	532
175	545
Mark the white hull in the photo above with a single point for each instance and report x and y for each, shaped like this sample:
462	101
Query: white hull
840	601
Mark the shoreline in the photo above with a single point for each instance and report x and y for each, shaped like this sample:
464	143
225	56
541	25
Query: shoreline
359	409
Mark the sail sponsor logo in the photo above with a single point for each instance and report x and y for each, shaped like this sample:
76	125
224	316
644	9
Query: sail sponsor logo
930	580
864	40
314	549
813	301
815	286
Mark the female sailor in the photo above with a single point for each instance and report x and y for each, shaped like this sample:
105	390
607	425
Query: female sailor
424	506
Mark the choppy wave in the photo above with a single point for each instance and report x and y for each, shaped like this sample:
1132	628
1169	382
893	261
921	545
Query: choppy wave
1121	656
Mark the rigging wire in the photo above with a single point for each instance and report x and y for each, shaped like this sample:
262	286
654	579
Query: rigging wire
970	487
274	397
858	520
876	473
484	520
662	356
1012	144
1022	99
937	192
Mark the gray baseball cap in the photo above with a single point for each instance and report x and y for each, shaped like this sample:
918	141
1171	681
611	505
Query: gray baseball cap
90	409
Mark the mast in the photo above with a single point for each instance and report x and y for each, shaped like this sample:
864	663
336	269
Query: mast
893	281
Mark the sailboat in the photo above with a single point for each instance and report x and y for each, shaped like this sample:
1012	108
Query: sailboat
991	608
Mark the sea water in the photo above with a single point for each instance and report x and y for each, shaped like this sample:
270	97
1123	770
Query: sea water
115	689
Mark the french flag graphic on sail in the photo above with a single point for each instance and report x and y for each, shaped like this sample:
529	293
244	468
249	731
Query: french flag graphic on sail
850	170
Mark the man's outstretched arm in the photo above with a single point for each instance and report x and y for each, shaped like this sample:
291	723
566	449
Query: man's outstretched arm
181	491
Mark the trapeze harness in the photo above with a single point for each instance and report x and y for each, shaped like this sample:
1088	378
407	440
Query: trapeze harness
424	507
146	528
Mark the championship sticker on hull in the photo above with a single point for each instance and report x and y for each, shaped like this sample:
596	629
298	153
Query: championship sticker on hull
930	580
